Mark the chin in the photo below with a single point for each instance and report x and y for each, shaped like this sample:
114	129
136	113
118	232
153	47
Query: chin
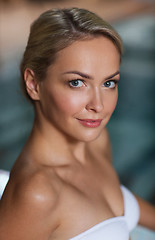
91	136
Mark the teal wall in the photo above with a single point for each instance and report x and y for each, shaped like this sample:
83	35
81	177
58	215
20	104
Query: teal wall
132	127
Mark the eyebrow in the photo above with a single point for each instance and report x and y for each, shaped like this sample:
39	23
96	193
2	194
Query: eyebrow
84	75
113	75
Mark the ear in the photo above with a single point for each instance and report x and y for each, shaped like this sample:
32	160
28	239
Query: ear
32	86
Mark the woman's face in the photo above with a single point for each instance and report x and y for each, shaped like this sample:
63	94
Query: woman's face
80	91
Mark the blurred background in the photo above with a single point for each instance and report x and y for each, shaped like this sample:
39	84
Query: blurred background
132	127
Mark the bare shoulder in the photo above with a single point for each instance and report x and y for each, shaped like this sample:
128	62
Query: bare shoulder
104	139
38	188
102	145
26	202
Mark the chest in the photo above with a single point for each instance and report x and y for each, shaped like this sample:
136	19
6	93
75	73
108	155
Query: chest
91	197
99	184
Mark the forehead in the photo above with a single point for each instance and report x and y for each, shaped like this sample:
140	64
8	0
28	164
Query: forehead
88	56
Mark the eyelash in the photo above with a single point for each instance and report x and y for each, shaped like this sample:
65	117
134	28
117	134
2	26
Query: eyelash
114	81
75	80
82	81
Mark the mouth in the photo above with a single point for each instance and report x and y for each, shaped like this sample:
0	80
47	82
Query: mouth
91	123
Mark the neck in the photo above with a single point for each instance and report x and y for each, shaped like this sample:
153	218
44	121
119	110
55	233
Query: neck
54	146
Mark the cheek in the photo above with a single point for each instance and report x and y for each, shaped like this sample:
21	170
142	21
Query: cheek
111	102
70	103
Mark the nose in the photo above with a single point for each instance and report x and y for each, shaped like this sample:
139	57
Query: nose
95	102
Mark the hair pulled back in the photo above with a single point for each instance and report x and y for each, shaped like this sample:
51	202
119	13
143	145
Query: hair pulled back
56	29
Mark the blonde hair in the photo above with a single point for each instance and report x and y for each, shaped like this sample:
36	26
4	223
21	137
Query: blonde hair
58	28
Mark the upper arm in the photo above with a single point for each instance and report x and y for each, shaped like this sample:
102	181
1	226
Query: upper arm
27	211
147	213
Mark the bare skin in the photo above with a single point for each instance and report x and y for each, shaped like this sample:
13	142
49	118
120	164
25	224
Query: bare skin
61	195
63	183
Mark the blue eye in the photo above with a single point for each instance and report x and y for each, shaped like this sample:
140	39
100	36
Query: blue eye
76	83
110	84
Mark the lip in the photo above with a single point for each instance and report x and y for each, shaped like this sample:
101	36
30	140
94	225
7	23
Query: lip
91	123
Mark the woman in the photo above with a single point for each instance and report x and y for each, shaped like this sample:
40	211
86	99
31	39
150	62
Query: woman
63	185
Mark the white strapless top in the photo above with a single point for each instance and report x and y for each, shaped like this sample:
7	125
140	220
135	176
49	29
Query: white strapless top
116	228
